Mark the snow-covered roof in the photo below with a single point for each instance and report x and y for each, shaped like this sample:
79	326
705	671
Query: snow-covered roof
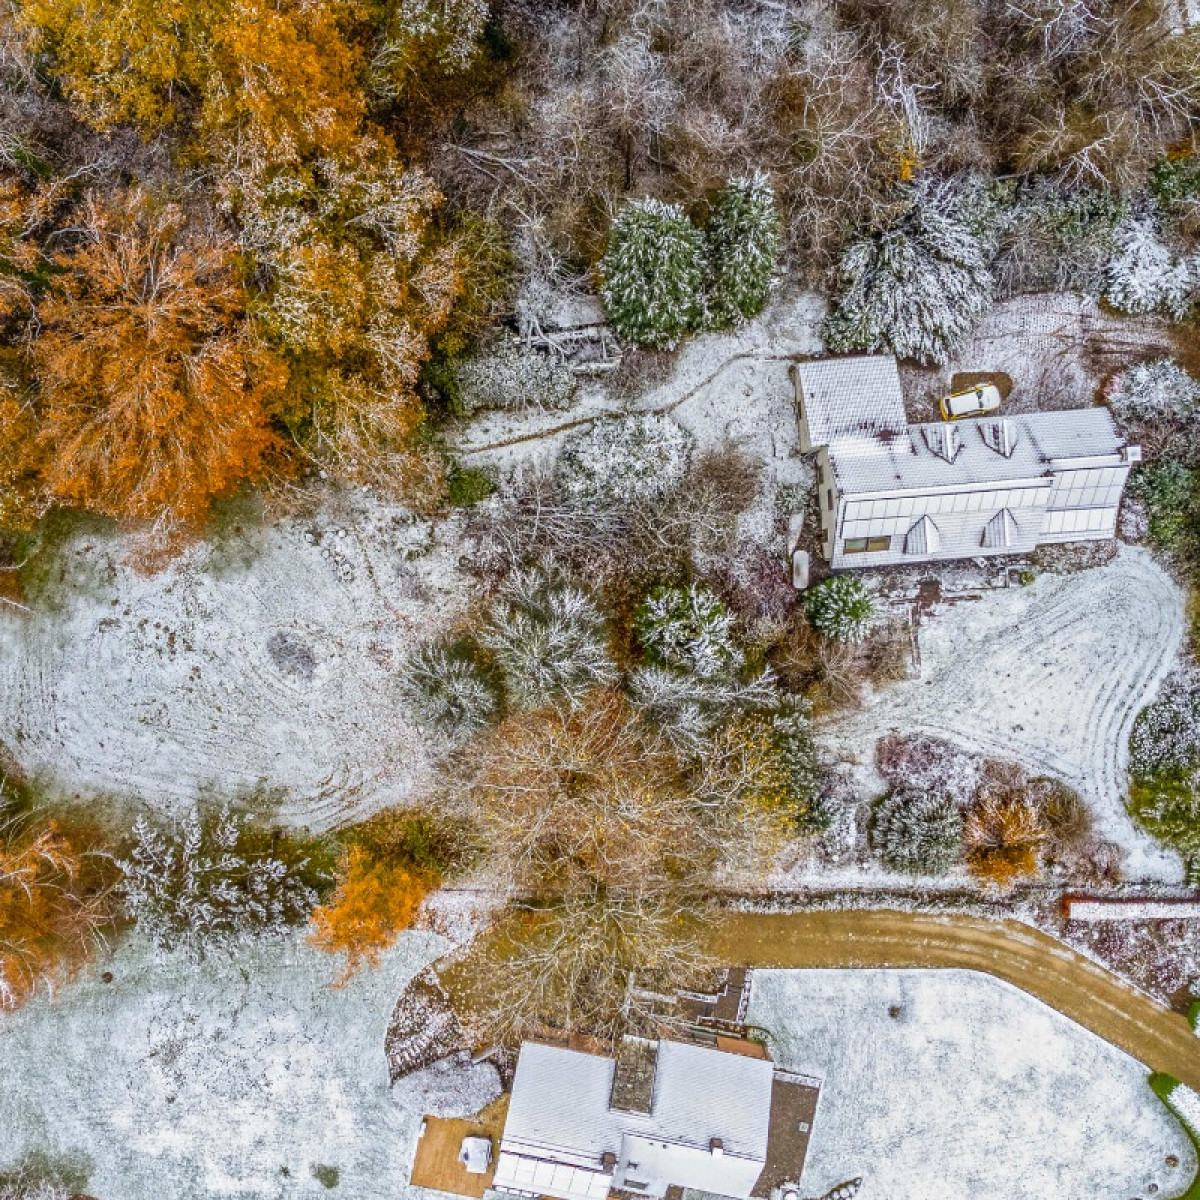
850	397
921	458
703	1098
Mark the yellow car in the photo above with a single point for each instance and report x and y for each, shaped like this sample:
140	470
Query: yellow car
974	402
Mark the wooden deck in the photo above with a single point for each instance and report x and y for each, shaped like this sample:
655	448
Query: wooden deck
436	1162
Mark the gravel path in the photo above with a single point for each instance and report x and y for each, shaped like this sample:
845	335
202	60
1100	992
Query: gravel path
1051	676
1025	957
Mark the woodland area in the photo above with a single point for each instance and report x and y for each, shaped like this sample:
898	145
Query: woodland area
281	248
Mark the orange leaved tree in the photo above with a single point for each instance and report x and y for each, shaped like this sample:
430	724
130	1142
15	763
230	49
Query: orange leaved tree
54	898
153	383
374	901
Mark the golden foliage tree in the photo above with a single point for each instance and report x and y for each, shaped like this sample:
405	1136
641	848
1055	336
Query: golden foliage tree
55	896
154	385
373	903
273	81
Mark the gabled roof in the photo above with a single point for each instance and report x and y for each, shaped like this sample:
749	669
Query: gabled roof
923	538
850	397
1037	442
1000	532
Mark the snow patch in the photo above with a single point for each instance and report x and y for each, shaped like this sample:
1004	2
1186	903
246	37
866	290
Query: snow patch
944	1084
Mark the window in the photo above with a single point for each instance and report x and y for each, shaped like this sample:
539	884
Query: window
869	545
829	493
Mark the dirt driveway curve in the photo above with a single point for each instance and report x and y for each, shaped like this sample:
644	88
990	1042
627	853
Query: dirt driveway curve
1032	961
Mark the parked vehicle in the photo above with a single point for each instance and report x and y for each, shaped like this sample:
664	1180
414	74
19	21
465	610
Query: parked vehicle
974	402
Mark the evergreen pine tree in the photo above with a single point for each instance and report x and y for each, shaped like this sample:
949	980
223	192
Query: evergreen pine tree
914	288
1144	275
742	241
917	832
841	608
448	694
652	273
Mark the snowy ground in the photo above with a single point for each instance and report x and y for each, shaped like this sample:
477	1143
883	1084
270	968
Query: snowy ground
232	1079
270	659
1051	675
973	1089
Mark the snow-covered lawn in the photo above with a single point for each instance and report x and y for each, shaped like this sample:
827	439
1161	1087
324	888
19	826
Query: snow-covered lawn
231	1079
1051	675
270	659
973	1089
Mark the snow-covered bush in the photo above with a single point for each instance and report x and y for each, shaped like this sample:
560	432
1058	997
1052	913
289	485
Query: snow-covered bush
688	629
511	376
1166	734
652	273
688	708
914	288
1145	275
1154	390
448	694
550	641
619	462
841	608
215	878
742	243
796	753
917	832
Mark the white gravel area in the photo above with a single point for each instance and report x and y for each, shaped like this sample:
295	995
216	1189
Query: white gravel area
971	1089
1051	675
234	1078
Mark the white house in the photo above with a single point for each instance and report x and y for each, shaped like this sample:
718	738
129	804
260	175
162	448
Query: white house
685	1116
893	493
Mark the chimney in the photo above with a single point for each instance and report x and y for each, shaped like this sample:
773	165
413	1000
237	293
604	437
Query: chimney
608	1161
716	1147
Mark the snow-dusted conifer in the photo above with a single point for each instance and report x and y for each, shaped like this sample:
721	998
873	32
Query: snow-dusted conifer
551	642
512	376
1154	390
742	242
450	695
688	708
688	629
210	881
622	461
1145	275
914	288
841	608
652	273
918	832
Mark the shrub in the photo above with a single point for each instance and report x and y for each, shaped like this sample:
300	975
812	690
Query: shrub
326	1175
215	878
1004	836
1166	734
448	694
688	629
1167	804
652	273
1175	183
917	832
1144	275
1168	490
1154	391
781	766
841	608
467	485
688	708
511	376
623	461
550	641
742	243
914	288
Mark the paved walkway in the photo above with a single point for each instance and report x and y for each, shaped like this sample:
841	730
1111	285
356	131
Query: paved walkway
1030	960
